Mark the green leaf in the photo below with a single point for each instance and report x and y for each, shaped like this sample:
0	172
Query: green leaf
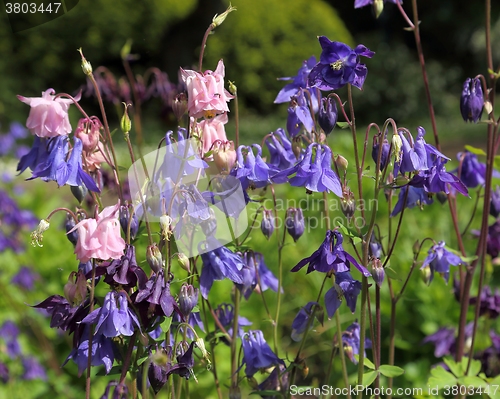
476	382
475	368
343	125
367	362
441	378
350	233
390	273
142	360
474	150
390	371
369	377
496	162
456	368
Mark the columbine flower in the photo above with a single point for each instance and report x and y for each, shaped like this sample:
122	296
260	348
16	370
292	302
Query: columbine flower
280	150
339	65
37	235
256	274
251	169
443	339
345	287
155	298
225	314
439	260
25	278
211	131
313	174
471	172
299	115
256	353
123	271
415	197
301	321
472	100
351	341
188	298
267	224
299	82
219	264
331	257
33	370
100	238
495	202
363	3
437	179
206	93
9	333
48	115
489	302
328	114
294	223
113	320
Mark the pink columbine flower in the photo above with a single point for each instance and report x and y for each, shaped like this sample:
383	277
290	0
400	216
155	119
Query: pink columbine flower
100	238
206	94
48	115
212	130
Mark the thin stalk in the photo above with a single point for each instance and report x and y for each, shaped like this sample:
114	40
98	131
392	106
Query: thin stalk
234	358
91	334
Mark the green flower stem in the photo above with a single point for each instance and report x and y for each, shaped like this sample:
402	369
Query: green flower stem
91	334
137	105
234	357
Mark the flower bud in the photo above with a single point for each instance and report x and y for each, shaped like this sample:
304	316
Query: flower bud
183	261
219	19
376	151
378	7
348	204
294	223
495	202
426	274
472	100
188	298
37	235
125	220
154	258
180	106
86	67
75	290
397	145
268	223
341	163
126	123
224	156
378	272
165	222
375	248
79	192
232	88
328	115
70	223
416	247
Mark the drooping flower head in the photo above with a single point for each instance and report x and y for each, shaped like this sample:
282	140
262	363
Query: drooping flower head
100	238
472	100
206	93
299	115
294	223
339	65
414	197
257	353
471	172
345	287
351	341
299	82
48	115
439	260
302	320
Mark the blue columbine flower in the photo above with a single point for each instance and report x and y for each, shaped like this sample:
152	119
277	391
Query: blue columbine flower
415	197
33	370
155	297
294	223
299	82
102	352
443	340
339	65
328	114
9	333
489	302
345	287
280	150
299	115
313	174
439	260
471	172
113	320
363	3
25	278
219	264
256	353
225	314
301	321
330	256
437	179
495	202
255	273
472	100
351	340
251	169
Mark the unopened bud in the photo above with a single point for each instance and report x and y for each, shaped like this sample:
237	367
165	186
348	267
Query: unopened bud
154	258
328	115
125	220
37	235
416	247
180	106
426	274
126	123
294	223
348	204
341	163
233	89
201	346
183	261
224	156
378	7
188	298
378	272
165	222
267	225
297	146
75	290
219	19
397	145
86	67
70	223
79	192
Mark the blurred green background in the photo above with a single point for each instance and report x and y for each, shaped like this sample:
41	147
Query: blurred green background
263	40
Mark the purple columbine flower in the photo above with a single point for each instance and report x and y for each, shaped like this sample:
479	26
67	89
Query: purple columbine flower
385	151
123	271
155	298
267	224
219	264
330	256
102	352
299	82
314	171
9	333
339	65
188	299
495	202
125	220
194	320
299	115
225	314
437	179
4	373
256	353
328	114
33	370
416	197
251	169
351	341
294	223
25	278
301	321
443	340
364	3
63	315
471	171
439	260
489	302
280	150
345	287
472	100
256	274
114	318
